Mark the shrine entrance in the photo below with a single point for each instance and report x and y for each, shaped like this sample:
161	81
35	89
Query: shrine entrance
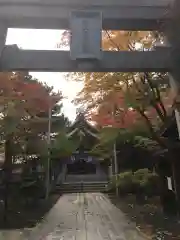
81	166
87	169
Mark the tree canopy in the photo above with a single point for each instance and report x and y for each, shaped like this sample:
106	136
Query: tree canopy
125	99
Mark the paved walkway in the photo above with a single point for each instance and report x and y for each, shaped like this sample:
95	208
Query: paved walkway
89	216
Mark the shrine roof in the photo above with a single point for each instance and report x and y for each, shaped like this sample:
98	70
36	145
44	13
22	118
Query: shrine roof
82	125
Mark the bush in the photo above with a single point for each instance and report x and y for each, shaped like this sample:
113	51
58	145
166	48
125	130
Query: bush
142	182
147	182
123	181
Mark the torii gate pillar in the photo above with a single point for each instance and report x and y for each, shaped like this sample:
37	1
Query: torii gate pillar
3	35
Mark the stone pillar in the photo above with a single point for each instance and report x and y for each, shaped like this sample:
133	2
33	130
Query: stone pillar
110	172
3	35
175	86
98	170
174	81
64	171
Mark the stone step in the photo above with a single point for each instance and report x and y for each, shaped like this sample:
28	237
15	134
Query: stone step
79	191
69	185
84	184
81	187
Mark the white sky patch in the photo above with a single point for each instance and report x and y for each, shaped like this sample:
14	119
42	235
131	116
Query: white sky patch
47	40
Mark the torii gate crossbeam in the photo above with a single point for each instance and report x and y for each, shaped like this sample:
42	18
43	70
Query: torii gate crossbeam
55	61
55	14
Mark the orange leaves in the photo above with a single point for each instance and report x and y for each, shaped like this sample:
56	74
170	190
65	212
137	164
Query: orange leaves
114	112
35	96
125	119
127	40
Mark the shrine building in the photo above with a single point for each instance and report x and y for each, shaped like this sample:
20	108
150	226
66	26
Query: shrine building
83	165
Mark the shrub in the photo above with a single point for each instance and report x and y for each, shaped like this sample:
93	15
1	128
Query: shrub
147	182
123	181
142	182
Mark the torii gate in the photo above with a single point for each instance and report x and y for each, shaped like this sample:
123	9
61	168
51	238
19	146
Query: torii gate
86	19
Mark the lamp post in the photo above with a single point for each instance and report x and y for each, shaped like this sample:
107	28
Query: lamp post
115	157
53	100
48	158
115	168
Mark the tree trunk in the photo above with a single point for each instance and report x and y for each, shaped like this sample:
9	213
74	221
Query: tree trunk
168	197
151	129
176	178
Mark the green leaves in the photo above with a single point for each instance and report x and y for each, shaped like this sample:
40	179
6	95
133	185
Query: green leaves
9	125
107	138
146	143
63	146
142	181
108	135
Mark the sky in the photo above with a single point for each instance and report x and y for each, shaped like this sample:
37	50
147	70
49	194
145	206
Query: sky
47	40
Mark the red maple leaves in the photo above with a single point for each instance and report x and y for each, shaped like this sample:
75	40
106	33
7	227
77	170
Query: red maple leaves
115	112
31	96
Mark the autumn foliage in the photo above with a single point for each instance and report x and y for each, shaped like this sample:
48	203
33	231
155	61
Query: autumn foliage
23	101
125	99
114	110
27	97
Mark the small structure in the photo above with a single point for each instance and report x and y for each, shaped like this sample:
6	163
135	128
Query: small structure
82	165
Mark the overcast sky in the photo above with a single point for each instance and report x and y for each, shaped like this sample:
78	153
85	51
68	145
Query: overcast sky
46	40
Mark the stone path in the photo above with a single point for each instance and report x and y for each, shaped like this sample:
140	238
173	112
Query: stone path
88	216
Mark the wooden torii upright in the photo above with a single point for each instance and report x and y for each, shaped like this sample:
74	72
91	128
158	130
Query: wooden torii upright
86	19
